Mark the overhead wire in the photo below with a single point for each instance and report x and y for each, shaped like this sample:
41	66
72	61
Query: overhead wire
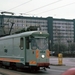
43	6
16	6
56	8
19	5
33	9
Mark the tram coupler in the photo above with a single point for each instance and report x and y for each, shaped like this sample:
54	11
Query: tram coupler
48	67
44	69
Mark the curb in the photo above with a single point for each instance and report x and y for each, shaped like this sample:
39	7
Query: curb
58	64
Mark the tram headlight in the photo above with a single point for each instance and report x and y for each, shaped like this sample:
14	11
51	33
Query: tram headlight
43	56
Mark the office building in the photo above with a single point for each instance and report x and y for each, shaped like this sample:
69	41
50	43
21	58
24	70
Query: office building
60	30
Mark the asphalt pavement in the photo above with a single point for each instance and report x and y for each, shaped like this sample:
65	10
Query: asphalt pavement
65	61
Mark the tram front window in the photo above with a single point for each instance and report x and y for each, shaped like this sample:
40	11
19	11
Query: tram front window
39	43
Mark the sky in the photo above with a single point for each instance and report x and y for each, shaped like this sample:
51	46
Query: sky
40	8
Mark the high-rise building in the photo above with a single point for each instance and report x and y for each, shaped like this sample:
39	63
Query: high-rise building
19	22
60	30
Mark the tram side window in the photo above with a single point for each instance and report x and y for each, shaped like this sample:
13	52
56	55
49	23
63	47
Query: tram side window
27	42
21	43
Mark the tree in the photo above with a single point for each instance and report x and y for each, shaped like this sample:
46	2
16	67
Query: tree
59	48
62	48
72	48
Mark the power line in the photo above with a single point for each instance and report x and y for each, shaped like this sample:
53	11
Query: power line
57	8
34	9
43	6
20	5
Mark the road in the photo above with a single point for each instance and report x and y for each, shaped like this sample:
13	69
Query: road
55	70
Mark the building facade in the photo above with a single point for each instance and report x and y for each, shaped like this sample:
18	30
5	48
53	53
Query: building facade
63	31
60	30
19	22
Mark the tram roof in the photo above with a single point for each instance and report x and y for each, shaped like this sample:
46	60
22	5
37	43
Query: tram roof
25	34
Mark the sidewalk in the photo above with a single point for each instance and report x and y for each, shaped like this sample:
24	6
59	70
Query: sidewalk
65	61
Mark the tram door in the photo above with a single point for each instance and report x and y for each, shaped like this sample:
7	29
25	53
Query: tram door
27	53
22	48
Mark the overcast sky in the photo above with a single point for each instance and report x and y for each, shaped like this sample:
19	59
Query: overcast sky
40	8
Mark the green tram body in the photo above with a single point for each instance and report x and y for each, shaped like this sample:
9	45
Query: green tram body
21	50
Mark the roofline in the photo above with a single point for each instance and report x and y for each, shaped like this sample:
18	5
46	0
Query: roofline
20	34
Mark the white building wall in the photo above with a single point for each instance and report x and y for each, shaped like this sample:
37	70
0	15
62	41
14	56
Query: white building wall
63	31
24	23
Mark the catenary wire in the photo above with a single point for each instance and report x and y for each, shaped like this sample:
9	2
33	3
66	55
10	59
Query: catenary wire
19	5
36	8
43	6
56	8
50	9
